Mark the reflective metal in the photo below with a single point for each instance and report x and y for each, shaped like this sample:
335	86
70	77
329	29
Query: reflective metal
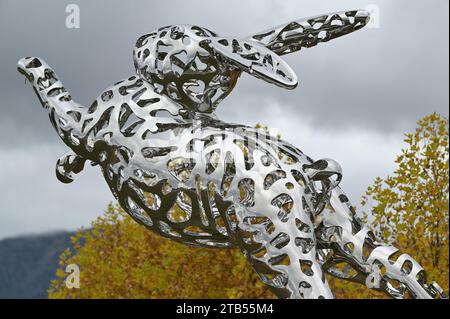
186	175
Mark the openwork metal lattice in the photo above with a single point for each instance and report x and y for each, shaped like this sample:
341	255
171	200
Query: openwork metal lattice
184	174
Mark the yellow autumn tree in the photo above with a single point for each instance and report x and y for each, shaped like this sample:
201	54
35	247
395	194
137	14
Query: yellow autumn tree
409	208
119	258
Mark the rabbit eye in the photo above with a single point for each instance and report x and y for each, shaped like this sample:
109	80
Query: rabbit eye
224	80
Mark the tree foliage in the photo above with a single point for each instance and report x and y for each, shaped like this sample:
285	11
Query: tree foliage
120	259
410	207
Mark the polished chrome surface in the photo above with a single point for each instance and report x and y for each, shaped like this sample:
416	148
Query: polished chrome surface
181	172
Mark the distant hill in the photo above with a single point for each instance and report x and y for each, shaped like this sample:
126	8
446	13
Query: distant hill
28	263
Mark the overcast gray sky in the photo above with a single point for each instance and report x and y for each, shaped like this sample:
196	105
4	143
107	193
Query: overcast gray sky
357	94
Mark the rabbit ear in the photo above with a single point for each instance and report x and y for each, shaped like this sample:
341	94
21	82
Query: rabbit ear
255	59
308	32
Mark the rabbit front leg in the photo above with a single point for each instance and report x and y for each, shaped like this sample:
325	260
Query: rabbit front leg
283	258
269	220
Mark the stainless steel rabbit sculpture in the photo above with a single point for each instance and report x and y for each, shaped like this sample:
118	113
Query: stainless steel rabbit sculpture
181	172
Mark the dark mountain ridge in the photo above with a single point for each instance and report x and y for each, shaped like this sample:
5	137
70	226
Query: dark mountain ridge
28	263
